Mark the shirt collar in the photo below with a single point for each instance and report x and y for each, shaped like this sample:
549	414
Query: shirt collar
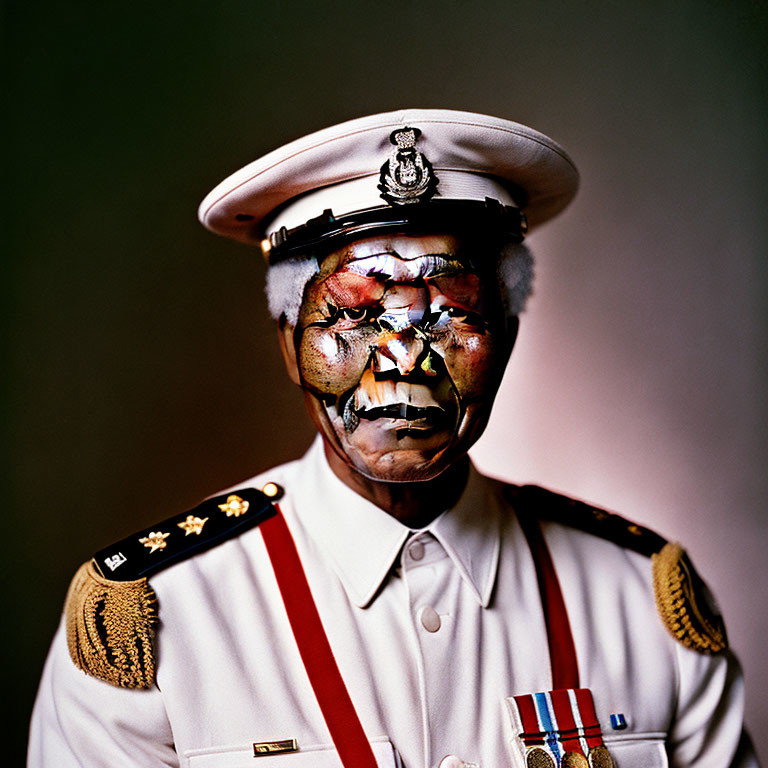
363	542
470	533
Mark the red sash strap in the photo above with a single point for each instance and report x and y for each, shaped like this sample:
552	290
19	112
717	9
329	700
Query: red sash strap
562	652
324	676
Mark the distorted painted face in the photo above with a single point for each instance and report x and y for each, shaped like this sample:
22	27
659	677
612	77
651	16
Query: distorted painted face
400	345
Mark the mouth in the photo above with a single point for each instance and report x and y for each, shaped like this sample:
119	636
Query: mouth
408	420
404	411
408	409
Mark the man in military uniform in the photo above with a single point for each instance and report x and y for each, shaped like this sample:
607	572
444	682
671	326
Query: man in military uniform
379	602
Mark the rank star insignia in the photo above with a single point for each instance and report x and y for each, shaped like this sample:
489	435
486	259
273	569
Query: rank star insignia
193	524
155	540
234	506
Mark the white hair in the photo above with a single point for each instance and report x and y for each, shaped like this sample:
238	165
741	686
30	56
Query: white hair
515	273
287	280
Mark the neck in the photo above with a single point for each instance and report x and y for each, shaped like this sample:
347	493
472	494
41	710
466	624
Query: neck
413	504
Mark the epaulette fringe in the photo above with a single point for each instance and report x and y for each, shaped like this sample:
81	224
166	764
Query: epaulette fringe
110	622
677	598
110	628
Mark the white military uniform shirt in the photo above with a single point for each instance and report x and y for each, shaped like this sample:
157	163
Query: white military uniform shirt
432	631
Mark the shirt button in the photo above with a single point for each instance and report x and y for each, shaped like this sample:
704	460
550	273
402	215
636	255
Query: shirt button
430	619
416	550
451	761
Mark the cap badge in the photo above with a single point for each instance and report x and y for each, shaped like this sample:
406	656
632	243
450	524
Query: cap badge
407	176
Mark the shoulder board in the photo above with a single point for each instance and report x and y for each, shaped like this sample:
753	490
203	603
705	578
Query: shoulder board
548	505
179	537
110	607
685	604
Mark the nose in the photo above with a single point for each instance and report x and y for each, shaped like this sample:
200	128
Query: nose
403	347
404	353
398	352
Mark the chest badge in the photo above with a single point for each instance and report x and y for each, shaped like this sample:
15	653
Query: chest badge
559	729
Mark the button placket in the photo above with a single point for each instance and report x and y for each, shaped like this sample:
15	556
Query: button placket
433	584
423	558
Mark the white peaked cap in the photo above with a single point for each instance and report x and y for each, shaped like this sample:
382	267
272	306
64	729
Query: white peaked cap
473	157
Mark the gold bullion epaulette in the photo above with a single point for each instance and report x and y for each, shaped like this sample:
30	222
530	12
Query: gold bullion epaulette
684	601
111	609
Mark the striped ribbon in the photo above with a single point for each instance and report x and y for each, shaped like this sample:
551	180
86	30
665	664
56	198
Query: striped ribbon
561	721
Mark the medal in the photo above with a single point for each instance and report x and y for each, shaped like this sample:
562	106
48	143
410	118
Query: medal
574	760
599	757
539	758
559	729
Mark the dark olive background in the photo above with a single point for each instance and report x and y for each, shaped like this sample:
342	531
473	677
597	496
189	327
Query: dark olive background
141	368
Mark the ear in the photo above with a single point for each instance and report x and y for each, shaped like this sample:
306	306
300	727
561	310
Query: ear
287	348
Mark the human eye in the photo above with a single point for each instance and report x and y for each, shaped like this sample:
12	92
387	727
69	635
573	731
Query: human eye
344	318
351	317
451	316
356	314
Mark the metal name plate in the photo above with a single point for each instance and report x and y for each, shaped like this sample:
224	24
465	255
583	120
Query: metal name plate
261	748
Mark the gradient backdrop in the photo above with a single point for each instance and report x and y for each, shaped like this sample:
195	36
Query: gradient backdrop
142	372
